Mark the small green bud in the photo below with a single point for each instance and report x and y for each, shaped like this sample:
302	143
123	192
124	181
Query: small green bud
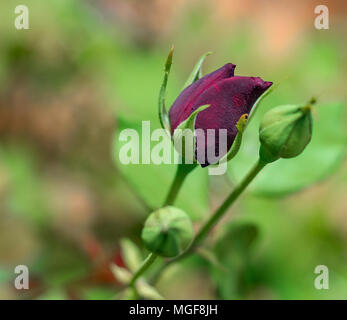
284	132
167	232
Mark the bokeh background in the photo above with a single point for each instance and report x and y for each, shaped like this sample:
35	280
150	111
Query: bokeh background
83	65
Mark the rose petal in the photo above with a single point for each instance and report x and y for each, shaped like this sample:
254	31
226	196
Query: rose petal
229	99
182	107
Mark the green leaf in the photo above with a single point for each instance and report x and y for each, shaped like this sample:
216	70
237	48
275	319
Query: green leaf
163	115
131	254
122	275
238	237
152	182
196	73
321	157
210	257
233	249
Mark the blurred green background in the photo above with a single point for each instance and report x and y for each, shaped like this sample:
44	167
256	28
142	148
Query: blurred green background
85	68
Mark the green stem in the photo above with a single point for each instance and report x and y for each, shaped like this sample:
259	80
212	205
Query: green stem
227	203
182	171
145	265
221	211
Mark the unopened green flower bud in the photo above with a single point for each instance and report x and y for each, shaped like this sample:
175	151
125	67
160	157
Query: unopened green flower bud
284	132
167	232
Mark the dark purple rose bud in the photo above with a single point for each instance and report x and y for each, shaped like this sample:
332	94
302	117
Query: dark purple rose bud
229	98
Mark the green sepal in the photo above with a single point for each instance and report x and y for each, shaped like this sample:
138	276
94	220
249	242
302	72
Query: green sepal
188	124
261	98
196	74
241	126
163	115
